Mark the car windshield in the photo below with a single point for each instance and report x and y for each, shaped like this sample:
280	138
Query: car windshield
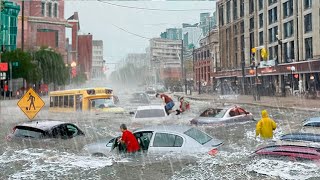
216	113
22	131
102	103
150	113
198	135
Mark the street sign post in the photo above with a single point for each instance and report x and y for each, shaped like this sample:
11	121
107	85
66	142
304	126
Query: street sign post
30	103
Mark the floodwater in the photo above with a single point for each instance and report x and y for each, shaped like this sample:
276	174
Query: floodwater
65	159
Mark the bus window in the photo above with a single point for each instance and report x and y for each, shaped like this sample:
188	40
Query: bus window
55	101
60	101
79	102
102	103
51	101
66	100
71	101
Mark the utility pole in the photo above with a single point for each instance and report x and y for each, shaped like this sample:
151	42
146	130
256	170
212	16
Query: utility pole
22	25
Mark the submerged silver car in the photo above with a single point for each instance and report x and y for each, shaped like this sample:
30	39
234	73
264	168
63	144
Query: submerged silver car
162	139
214	116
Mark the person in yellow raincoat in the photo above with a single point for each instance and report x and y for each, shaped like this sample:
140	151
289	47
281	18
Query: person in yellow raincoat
265	126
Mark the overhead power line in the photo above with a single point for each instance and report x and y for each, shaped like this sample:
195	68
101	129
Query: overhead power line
152	9
130	32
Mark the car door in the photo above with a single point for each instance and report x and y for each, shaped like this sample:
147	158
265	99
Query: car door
164	142
232	116
144	139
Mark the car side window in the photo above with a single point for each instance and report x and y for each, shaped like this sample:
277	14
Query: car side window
233	112
313	124
167	140
59	132
72	130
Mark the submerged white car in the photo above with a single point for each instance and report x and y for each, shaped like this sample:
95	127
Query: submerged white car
150	113
162	139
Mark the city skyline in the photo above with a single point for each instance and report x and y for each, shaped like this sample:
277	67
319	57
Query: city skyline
117	42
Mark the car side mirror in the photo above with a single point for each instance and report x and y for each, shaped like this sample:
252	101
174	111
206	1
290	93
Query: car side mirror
131	113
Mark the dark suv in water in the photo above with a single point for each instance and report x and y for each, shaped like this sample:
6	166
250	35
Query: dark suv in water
45	130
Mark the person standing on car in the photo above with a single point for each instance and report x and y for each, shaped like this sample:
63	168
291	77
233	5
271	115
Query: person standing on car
265	126
127	138
168	101
184	106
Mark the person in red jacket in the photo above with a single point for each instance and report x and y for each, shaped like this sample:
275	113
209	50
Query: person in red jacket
168	101
129	140
184	106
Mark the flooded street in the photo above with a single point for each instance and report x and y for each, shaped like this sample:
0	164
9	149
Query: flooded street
66	159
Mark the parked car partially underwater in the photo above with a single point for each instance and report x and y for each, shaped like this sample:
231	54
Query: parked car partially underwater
155	113
45	130
304	144
214	116
161	140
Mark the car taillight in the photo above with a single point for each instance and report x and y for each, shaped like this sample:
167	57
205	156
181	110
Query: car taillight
213	152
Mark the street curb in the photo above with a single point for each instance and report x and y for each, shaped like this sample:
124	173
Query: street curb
248	103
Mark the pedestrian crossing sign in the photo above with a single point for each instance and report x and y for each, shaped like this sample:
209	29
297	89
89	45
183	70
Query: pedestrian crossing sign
30	103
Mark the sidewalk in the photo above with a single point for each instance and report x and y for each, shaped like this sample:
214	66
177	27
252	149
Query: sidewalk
266	101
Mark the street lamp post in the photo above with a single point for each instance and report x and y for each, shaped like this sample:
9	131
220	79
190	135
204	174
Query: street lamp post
199	86
211	78
292	68
191	85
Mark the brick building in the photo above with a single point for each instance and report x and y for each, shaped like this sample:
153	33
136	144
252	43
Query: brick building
85	54
206	59
44	25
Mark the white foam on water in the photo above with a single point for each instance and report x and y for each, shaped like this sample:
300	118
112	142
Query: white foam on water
285	169
50	163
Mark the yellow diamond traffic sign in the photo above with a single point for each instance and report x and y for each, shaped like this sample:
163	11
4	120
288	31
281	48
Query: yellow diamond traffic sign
30	103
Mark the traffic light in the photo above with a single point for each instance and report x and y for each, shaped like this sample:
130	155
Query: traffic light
253	53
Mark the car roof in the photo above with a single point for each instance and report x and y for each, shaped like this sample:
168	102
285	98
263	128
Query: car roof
150	107
167	128
43	125
312	119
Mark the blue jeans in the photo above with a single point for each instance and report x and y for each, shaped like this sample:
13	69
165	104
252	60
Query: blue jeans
169	106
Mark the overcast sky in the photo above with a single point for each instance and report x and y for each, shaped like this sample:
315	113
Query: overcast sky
98	19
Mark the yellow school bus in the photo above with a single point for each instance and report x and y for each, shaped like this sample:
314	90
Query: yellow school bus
89	99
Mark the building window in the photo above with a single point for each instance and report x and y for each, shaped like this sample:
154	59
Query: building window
235	29
221	18
270	53
242	27
235	44
308	23
308	45
307	4
261	38
288	8
235	10
260	20
43	8
252	23
241	8
49	9
260	5
273	15
252	40
288	29
288	51
272	2
55	10
251	6
272	34
228	12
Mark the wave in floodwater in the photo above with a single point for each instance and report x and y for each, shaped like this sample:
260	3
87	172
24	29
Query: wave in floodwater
45	163
285	169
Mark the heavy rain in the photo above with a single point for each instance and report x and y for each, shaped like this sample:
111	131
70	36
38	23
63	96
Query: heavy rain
207	90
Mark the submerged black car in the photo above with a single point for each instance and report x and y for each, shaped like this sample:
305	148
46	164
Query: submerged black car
45	130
